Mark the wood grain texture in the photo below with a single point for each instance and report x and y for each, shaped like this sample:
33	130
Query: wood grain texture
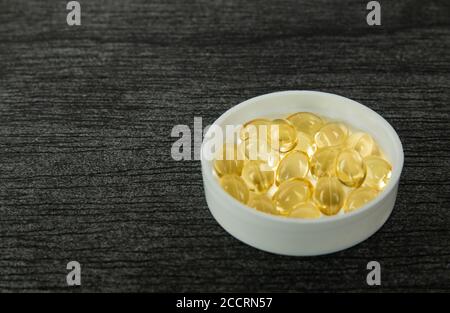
85	120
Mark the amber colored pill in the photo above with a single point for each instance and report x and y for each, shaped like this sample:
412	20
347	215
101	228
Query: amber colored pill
331	134
235	187
285	133
358	198
378	172
291	193
254	128
323	162
350	168
229	160
329	195
258	176
262	203
305	144
306	122
306	210
363	143
260	150
293	164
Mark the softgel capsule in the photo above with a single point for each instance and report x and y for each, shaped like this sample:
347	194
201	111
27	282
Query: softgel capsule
312	167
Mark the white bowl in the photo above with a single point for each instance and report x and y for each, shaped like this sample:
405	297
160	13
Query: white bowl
303	237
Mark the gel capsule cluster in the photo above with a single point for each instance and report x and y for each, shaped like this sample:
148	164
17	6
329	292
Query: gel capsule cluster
309	168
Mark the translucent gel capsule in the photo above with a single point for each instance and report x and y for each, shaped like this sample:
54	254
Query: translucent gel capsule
229	160
329	195
331	134
294	164
258	176
253	128
305	144
305	122
363	143
378	172
285	133
305	210
292	193
262	203
350	168
260	150
236	187
359	197
323	162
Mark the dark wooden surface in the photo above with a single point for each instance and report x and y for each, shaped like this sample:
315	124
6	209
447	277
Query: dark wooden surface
85	120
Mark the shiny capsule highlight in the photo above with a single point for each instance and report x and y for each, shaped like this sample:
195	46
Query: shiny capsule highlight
291	193
350	168
258	176
358	198
306	122
293	164
331	134
378	172
283	135
329	195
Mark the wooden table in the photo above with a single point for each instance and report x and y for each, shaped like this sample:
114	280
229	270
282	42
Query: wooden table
85	136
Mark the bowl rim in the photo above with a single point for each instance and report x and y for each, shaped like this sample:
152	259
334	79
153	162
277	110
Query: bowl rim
395	176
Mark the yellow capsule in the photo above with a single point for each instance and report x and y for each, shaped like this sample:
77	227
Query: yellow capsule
306	210
305	144
378	172
254	128
363	143
262	203
358	198
331	134
294	164
350	168
285	133
258	176
291	193
235	187
229	160
329	195
323	162
306	122
260	150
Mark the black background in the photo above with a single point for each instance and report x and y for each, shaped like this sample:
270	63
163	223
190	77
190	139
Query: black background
86	115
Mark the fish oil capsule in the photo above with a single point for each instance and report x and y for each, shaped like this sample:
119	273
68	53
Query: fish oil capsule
229	160
350	168
285	133
329	195
294	164
262	203
331	134
306	122
291	193
305	144
378	172
363	143
358	198
235	187
258	176
260	150
306	210
323	162
254	128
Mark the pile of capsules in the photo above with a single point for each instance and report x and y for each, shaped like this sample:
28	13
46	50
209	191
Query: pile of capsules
318	167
